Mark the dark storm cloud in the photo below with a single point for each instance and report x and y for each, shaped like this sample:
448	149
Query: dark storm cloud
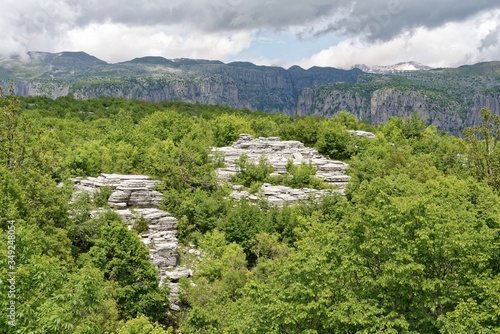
378	19
491	40
36	24
385	19
211	15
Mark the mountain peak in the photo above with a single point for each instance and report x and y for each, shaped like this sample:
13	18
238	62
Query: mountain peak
66	58
156	60
396	68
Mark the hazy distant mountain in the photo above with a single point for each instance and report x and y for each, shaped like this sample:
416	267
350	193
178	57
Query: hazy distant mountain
449	98
390	69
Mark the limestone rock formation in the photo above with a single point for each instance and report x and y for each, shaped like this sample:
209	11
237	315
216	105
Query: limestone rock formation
279	195
278	153
362	134
134	197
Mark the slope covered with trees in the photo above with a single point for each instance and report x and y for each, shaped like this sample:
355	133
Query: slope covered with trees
413	247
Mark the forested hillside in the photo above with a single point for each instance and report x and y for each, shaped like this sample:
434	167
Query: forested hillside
412	247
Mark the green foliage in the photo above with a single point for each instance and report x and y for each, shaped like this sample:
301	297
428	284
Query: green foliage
52	299
220	278
124	260
10	137
82	305
84	231
304	129
141	325
227	129
140	225
88	159
198	211
413	126
253	175
267	246
412	248
11	204
101	197
484	154
335	142
250	173
303	176
349	121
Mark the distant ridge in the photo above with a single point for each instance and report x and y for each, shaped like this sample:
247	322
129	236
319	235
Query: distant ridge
65	58
153	78
156	60
396	68
449	98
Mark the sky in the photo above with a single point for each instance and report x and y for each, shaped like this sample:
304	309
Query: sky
337	33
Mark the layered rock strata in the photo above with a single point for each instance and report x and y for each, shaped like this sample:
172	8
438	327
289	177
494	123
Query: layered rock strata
362	134
278	153
134	197
280	195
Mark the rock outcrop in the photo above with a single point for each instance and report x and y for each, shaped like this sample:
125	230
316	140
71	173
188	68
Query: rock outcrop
278	153
134	197
281	195
489	101
362	134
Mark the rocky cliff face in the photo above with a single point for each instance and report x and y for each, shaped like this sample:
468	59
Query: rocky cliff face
386	103
489	101
329	102
380	105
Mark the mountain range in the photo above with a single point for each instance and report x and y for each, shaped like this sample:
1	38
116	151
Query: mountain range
449	98
391	69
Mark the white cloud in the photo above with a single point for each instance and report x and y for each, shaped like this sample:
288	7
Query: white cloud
439	33
452	44
117	42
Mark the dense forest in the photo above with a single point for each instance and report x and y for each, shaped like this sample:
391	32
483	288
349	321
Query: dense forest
412	247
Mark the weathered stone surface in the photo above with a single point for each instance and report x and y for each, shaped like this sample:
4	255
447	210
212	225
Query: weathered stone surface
362	134
278	153
279	195
133	197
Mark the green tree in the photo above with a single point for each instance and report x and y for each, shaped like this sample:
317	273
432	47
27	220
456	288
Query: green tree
122	257
250	173
413	126
303	176
484	157
335	142
141	325
83	304
218	280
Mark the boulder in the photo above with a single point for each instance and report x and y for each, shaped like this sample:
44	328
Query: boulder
362	134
